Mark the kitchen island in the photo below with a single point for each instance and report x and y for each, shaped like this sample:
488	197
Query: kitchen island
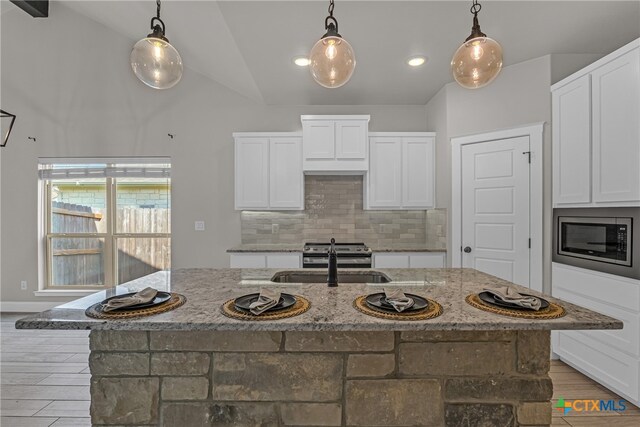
331	366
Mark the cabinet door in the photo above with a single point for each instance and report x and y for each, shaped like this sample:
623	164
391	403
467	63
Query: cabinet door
252	173
318	139
418	177
385	176
572	142
351	139
285	173
616	130
391	261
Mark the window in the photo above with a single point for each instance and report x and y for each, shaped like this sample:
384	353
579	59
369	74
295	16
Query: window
104	223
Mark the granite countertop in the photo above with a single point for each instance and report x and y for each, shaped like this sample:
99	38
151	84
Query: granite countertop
266	247
331	308
405	247
295	247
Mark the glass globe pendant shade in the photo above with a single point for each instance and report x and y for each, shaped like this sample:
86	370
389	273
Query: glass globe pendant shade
332	61
156	62
477	62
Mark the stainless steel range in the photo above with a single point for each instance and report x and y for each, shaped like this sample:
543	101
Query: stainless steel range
350	255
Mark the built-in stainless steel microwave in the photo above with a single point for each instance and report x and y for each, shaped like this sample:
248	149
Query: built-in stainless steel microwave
599	239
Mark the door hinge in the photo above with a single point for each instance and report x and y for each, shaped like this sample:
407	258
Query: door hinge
528	153
529	243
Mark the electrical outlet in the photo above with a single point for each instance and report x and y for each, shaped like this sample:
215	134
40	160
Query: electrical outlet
275	228
199	225
23	285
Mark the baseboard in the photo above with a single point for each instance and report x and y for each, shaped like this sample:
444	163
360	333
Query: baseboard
27	306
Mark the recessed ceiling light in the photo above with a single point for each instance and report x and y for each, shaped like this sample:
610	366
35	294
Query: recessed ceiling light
301	61
416	61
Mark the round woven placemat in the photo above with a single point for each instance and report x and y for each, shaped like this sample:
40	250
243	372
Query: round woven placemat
554	311
301	306
174	302
433	310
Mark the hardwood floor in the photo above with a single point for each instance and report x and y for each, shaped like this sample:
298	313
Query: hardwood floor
44	381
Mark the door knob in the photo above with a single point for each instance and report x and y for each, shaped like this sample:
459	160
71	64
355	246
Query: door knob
467	249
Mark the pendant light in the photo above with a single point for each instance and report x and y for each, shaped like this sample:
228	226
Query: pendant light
153	60
332	58
479	60
10	118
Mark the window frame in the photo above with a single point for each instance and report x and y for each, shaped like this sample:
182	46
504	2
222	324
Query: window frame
110	260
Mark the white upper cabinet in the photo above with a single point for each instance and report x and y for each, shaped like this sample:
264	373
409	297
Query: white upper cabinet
335	143
385	173
252	173
572	142
616	130
402	171
596	133
418	172
268	171
285	173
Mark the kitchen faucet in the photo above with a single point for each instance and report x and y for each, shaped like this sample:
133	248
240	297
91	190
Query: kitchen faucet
332	277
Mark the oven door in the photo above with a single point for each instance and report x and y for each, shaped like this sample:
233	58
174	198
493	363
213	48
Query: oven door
598	239
343	262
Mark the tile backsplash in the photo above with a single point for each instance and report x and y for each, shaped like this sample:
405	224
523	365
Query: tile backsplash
333	208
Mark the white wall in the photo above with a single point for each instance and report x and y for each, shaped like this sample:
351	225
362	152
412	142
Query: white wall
76	93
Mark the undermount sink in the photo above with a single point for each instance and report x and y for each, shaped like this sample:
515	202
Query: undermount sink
321	277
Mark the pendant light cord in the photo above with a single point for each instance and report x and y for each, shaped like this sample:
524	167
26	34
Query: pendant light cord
157	28
475	7
334	21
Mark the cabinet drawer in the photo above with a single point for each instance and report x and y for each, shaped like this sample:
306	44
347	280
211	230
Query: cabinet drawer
627	339
596	286
283	261
248	261
614	369
391	261
426	261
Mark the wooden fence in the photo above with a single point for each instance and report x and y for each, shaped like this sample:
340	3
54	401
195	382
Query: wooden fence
79	261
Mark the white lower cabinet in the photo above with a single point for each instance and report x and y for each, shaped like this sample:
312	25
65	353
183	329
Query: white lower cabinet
265	260
409	260
611	357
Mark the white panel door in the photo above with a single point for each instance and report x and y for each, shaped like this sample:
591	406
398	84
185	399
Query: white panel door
351	139
285	173
318	139
616	130
385	172
252	173
572	142
495	208
418	183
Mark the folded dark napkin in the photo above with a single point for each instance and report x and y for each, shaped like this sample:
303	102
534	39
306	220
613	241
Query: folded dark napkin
144	296
511	296
267	299
398	299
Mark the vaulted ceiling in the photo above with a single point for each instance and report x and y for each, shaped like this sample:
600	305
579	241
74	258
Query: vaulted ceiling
248	46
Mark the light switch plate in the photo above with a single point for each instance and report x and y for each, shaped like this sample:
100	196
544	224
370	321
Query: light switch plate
199	225
275	228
